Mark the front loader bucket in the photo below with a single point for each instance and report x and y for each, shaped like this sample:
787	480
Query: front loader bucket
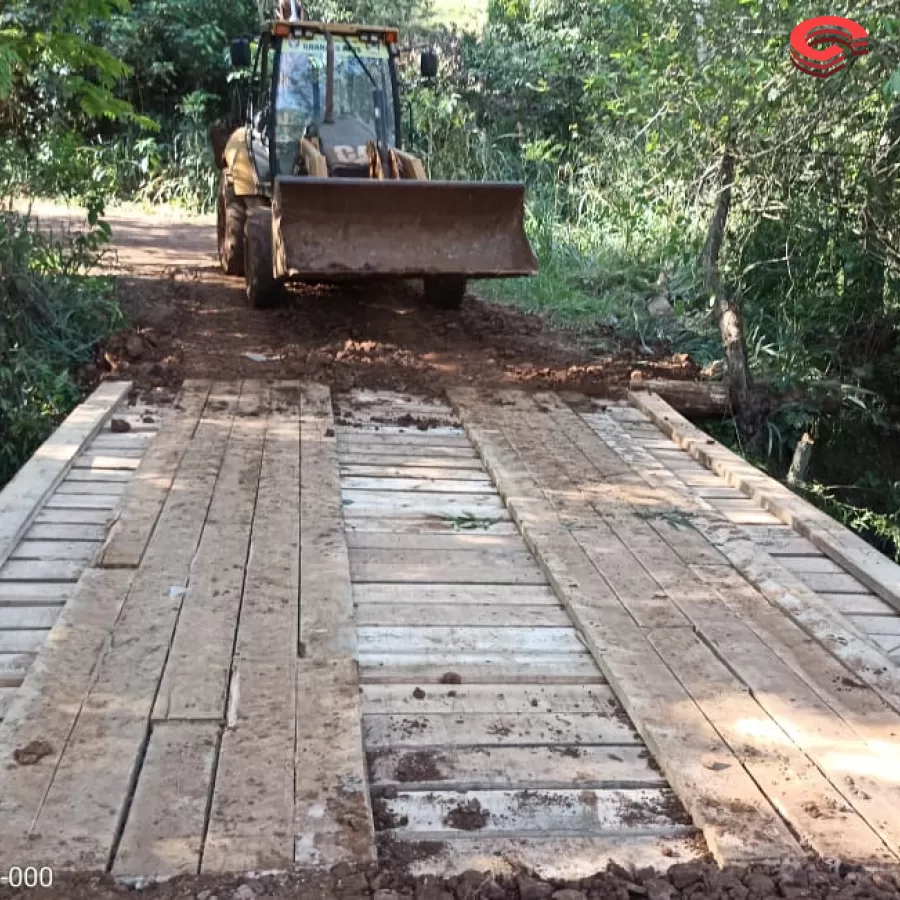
337	228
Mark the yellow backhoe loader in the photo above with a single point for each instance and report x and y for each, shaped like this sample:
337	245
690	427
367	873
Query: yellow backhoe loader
315	186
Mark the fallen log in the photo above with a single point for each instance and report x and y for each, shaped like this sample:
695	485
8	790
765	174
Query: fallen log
711	399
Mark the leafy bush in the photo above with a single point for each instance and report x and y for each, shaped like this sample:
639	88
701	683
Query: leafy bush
52	314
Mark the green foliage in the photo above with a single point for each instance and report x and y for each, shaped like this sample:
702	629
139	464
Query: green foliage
52	314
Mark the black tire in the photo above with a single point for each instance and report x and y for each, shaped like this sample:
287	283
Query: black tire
230	217
263	291
445	292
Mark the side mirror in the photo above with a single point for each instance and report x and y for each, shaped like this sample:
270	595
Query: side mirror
429	64
241	58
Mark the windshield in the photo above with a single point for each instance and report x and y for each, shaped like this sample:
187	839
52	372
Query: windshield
301	90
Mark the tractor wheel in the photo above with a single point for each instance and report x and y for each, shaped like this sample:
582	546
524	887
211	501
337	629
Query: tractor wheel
446	292
230	216
263	291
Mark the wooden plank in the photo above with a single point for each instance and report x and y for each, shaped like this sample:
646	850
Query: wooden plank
569	858
72	551
83	501
163	835
251	825
434	639
538	812
744	512
494	729
545	767
102	517
873	569
195	681
102	756
395	503
423	485
326	624
508	699
22	641
333	821
152	481
816	810
704	772
13	668
478	668
98	477
448	572
864	604
415	439
121	460
126	440
251	821
889	624
36	570
816	565
470	462
24	495
840	583
411	614
49	703
107	488
499	522
780	540
14	617
415	472
455	594
455	541
34	593
90	533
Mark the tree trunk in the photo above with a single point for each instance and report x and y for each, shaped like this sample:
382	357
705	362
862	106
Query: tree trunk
745	402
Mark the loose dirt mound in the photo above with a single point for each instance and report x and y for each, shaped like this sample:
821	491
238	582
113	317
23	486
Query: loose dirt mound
189	321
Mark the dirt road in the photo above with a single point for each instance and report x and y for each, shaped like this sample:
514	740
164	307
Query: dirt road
190	321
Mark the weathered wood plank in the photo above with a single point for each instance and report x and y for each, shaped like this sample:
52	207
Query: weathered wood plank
831	583
107	488
469	462
152	480
326	601
498	522
120	460
98	477
506	699
6	698
333	820
455	594
493	729
163	834
13	669
816	565
554	766
816	810
858	604
702	769
781	540
353	438
106	441
195	682
48	704
83	501
434	639
39	570
72	551
33	593
412	472
101	517
503	571
478	668
421	485
22	641
23	497
103	753
568	858
873	569
878	624
14	617
412	615
90	533
519	812
251	824
406	503
454	541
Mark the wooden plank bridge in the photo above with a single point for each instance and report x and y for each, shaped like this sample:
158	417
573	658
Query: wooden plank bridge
275	628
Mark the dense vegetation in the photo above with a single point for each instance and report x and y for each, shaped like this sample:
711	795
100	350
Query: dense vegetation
671	152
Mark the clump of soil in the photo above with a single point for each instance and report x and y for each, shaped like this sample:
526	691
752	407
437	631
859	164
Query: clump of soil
33	752
418	766
468	816
385	818
451	678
